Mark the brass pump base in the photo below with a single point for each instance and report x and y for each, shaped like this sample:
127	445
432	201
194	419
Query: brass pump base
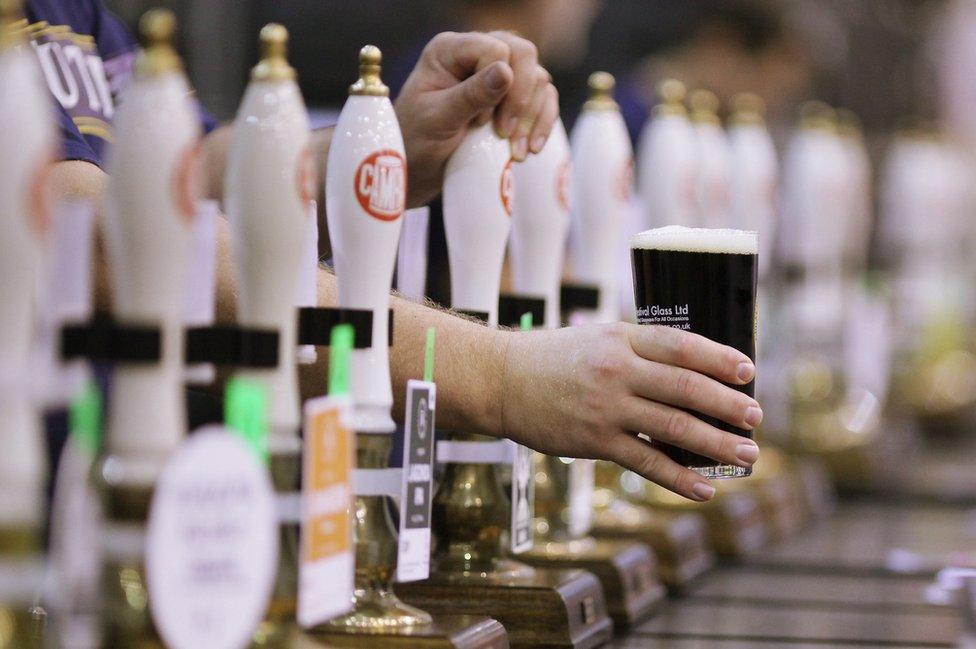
540	608
679	540
443	632
627	570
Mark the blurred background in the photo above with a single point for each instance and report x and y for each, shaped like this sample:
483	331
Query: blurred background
872	56
876	57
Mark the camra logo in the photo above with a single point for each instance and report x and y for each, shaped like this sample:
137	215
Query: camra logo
381	184
505	187
562	183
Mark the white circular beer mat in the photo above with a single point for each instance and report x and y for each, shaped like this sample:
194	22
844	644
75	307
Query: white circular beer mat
212	546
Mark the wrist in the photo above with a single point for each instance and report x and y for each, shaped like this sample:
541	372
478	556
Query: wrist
485	384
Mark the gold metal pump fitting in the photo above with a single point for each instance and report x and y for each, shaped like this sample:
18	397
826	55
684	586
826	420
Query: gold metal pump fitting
817	116
12	22
157	27
672	95
848	123
369	83
704	107
601	86
748	108
273	65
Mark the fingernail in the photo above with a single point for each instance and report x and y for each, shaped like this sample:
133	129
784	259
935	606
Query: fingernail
494	79
745	371
520	148
510	126
703	491
538	142
747	453
754	415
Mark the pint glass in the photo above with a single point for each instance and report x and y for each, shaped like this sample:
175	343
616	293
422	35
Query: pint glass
702	281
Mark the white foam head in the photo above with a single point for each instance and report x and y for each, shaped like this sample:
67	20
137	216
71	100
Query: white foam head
681	239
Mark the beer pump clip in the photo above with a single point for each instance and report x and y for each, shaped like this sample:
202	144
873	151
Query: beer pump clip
667	162
602	179
30	140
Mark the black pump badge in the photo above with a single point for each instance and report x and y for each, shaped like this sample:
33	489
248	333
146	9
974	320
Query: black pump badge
418	453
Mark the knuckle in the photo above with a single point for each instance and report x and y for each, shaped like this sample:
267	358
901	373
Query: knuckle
650	465
554	94
682	481
501	50
687	386
441	40
617	332
681	346
524	48
718	447
677	426
604	367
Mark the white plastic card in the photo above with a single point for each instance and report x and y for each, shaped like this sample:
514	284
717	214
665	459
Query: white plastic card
412	253
413	555
212	543
581	476
306	293
523	500
327	563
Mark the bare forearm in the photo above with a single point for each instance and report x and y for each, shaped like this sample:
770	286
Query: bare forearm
468	369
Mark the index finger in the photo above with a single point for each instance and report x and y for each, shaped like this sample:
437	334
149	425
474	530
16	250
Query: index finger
462	55
684	349
512	117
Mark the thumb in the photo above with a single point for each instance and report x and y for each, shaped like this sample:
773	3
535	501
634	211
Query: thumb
480	92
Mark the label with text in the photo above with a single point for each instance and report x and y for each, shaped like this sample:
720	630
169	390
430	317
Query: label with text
413	556
523	500
326	570
381	184
211	543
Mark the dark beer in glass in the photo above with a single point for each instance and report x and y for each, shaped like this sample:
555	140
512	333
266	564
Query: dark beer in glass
702	281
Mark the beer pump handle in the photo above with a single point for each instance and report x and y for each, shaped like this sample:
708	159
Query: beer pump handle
540	223
603	170
366	192
477	198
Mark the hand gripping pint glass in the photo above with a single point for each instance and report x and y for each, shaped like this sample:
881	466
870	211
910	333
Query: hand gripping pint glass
702	281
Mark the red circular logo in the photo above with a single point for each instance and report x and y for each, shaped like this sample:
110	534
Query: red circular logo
186	181
305	175
381	184
563	179
505	187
